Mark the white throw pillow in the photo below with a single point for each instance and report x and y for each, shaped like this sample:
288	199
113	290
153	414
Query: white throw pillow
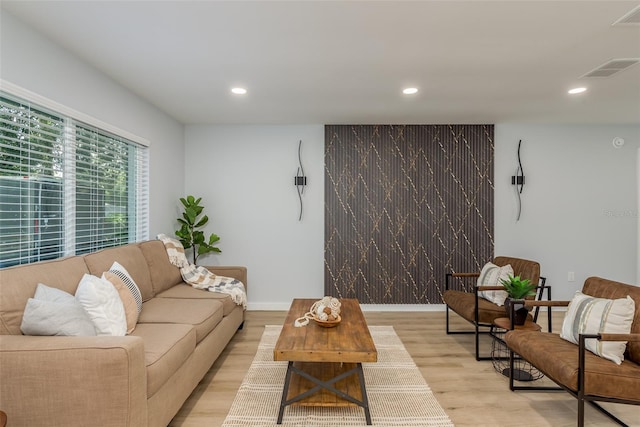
590	315
491	275
53	311
126	278
103	305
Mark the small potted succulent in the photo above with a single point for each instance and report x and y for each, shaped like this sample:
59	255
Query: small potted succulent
517	289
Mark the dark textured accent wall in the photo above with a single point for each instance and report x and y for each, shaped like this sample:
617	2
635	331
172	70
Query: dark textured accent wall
405	205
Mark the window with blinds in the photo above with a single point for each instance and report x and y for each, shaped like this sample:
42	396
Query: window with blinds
66	187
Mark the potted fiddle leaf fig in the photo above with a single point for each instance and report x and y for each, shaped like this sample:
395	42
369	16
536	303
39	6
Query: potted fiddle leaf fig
190	234
517	289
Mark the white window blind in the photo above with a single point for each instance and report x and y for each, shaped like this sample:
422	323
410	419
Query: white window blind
66	187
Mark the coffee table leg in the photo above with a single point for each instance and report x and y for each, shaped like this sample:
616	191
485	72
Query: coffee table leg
365	400
327	385
285	392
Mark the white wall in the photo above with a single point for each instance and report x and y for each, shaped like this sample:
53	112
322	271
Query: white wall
579	203
244	175
30	61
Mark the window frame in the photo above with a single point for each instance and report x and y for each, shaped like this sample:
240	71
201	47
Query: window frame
137	159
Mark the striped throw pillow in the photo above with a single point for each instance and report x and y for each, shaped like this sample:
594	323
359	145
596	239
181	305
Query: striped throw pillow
128	301
126	278
490	276
590	315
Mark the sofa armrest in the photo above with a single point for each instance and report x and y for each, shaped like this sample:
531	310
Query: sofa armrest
73	381
237	272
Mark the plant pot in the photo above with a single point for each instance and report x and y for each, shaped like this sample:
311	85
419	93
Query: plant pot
520	311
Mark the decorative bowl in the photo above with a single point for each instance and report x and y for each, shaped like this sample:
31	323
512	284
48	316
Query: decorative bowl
328	323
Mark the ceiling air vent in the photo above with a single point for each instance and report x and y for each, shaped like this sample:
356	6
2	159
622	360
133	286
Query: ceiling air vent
611	67
630	18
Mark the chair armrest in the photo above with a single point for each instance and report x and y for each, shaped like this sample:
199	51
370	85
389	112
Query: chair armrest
490	288
618	337
73	380
458	275
465	274
542	303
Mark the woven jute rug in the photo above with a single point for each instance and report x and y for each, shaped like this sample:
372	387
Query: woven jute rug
398	394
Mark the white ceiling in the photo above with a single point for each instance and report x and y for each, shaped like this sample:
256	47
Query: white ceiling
345	62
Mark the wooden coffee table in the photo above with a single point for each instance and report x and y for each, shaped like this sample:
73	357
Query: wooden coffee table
327	362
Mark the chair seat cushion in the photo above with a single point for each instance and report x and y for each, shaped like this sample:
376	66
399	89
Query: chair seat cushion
166	348
203	315
463	303
558	359
187	291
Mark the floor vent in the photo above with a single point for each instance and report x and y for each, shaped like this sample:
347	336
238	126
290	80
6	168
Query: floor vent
611	67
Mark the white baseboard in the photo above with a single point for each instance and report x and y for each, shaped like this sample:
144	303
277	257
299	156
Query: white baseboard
284	306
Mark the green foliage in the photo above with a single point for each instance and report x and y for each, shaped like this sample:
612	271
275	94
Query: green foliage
31	141
518	288
188	234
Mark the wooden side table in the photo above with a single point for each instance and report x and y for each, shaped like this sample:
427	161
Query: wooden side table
522	370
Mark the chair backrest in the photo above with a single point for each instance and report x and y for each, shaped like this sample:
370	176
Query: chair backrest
604	288
524	268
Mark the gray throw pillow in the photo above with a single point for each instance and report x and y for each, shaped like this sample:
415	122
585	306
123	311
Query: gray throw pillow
54	312
47	293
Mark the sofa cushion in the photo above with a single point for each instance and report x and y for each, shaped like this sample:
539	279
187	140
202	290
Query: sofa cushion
558	359
202	314
18	284
166	348
164	275
591	315
187	291
131	258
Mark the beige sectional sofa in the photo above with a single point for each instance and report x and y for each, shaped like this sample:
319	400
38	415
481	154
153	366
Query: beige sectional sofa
141	379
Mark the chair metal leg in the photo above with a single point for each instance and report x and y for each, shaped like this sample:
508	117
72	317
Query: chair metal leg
511	369
446	309
477	342
580	412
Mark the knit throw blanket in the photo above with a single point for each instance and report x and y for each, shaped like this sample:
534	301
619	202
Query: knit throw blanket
200	277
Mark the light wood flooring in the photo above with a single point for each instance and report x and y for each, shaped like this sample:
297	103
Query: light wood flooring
471	392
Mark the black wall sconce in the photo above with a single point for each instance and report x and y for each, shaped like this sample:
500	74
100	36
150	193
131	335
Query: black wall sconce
518	181
300	181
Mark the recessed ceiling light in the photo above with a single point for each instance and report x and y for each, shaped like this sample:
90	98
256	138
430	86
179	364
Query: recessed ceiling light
239	90
576	90
410	90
